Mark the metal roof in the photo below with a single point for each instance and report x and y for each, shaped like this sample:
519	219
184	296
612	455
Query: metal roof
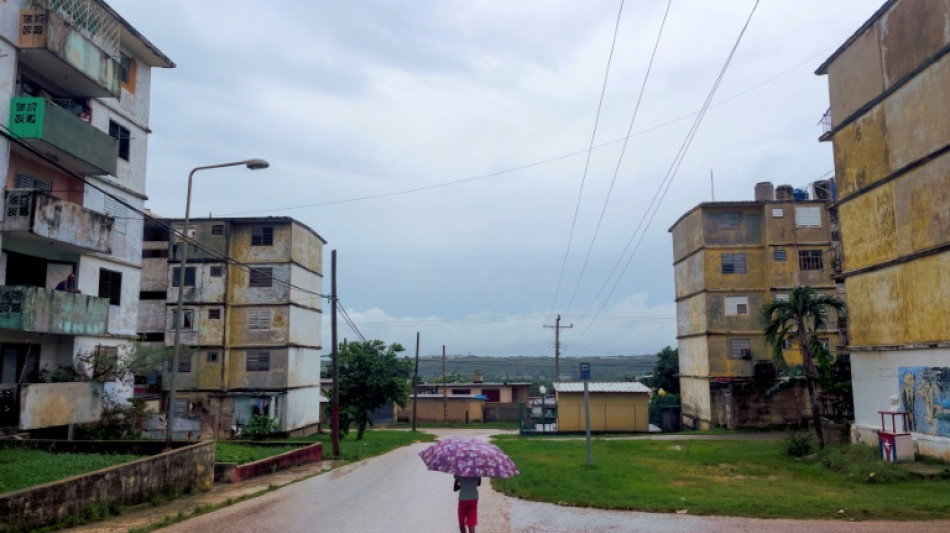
602	386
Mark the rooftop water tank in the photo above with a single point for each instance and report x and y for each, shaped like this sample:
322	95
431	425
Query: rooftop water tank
800	195
764	191
783	192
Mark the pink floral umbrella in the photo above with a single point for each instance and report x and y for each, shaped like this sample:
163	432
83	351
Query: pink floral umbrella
464	456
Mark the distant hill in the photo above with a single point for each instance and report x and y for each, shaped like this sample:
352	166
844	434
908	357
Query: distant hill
534	368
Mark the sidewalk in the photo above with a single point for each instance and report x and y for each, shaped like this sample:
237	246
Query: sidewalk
220	494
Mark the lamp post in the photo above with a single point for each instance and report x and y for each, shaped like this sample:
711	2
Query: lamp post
543	390
252	164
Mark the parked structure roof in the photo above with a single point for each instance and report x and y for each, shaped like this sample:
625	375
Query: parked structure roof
602	386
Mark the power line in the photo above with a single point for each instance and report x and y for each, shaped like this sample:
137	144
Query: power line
590	149
145	216
623	150
667	180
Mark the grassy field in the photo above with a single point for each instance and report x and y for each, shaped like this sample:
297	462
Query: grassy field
375	442
242	452
735	478
21	468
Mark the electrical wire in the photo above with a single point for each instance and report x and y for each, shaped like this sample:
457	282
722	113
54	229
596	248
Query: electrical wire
590	149
623	150
666	182
145	216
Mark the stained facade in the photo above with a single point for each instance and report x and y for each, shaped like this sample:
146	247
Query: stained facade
889	90
252	316
75	86
729	259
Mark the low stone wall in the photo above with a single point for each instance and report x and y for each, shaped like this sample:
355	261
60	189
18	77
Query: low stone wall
182	469
502	412
231	472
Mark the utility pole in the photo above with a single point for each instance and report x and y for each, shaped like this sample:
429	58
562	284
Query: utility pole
335	410
445	398
415	384
557	346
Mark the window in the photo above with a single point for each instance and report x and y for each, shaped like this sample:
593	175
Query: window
19	203
740	349
189	321
262	236
778	213
217	229
27	182
257	361
106	362
729	219
110	286
155	254
737	305
780	297
217	271
460	392
116	210
212	357
181	407
184	363
258	318
779	255
733	263
189	276
787	343
152	295
124	136
810	260
214	314
261	277
808	216
127	71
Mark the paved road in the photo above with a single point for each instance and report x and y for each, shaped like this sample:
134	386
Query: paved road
395	493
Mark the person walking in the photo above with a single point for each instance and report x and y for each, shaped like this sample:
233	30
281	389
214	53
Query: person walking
467	487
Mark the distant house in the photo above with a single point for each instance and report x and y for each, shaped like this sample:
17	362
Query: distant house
615	407
501	400
438	408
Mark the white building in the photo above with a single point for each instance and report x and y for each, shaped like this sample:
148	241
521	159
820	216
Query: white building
75	84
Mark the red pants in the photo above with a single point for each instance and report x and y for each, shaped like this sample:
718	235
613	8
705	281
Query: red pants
468	513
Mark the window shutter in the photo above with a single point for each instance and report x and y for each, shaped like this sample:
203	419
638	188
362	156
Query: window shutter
258	319
808	216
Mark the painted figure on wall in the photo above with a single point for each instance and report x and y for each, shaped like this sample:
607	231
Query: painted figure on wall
925	394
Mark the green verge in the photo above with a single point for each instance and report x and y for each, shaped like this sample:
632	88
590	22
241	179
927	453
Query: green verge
752	478
242	453
375	442
21	468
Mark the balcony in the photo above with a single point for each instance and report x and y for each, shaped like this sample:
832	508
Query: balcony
63	137
40	310
41	405
38	216
72	43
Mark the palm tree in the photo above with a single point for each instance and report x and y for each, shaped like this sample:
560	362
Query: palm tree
800	317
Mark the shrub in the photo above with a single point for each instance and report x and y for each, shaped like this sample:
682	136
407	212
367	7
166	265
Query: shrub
799	443
259	427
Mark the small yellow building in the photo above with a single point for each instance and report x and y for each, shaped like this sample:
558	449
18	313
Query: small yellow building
438	408
614	407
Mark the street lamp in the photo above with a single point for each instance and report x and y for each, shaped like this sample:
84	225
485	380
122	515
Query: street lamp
543	390
253	164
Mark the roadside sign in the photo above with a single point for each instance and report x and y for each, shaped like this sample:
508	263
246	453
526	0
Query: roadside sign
585	371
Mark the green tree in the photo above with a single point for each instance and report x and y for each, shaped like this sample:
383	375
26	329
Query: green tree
800	318
666	371
371	375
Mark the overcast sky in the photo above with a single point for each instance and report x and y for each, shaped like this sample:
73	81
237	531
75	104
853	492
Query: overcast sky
440	147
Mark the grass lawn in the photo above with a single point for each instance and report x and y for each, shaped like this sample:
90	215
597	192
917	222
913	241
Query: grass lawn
245	452
735	478
21	468
375	442
473	425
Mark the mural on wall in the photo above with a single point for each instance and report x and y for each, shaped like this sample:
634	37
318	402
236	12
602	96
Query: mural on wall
925	395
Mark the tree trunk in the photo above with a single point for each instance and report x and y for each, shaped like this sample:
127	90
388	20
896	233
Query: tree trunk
811	377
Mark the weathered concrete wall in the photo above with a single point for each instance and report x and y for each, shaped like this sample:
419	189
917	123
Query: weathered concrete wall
753	277
57	312
620	412
687	235
183	469
308	329
749	231
242	293
689	274
279	252
721	364
240	335
429	409
309	282
58	404
856	77
275	378
307	249
747	407
695	402
302	408
303	367
500	412
691	317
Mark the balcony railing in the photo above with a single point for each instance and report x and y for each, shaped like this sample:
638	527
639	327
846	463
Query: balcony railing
63	136
72	43
41	310
40	213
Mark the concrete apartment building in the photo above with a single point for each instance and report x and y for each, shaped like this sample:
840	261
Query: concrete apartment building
252	316
75	83
889	87
729	259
